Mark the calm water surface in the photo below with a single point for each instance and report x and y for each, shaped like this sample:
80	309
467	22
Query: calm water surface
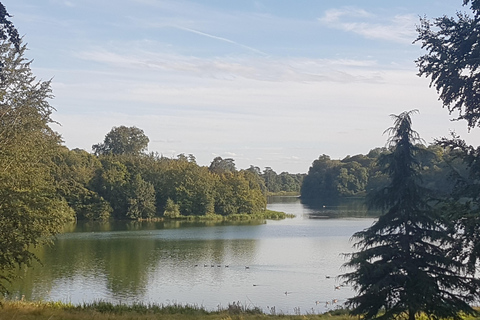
290	265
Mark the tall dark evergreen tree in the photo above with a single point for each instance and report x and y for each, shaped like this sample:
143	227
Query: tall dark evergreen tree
461	207
8	32
451	61
404	265
453	65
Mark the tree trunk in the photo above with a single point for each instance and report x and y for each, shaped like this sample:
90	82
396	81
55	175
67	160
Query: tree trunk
411	315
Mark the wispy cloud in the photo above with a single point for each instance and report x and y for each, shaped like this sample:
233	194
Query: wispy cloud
399	28
221	39
256	68
334	15
64	3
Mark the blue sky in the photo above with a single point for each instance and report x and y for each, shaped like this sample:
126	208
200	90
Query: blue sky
268	83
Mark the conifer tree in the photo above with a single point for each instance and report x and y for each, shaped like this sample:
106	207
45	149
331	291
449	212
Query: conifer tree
452	63
404	264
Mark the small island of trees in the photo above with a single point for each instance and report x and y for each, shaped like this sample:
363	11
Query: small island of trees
121	181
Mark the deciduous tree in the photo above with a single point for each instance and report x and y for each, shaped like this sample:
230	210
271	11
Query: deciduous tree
122	140
141	199
30	210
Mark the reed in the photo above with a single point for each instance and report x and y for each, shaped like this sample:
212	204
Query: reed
264	215
101	310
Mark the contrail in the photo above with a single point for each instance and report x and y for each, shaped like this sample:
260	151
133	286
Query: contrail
221	39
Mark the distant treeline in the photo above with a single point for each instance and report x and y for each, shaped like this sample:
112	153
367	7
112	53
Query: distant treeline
278	184
120	181
354	176
131	186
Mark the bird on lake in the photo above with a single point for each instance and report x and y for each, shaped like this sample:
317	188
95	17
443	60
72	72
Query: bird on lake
247	267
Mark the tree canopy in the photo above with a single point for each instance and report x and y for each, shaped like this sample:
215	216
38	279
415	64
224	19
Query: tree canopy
8	31
31	211
404	264
451	61
122	140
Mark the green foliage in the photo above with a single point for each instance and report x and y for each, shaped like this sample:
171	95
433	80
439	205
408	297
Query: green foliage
122	140
172	210
7	31
140	186
30	210
329	179
111	183
257	178
462	206
220	165
452	64
452	61
404	264
74	171
186	183
237	193
283	182
141	199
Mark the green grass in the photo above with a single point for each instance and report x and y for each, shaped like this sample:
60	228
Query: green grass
267	214
284	194
22	310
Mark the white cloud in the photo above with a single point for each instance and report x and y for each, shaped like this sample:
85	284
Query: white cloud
191	75
230	154
64	3
230	68
334	15
399	28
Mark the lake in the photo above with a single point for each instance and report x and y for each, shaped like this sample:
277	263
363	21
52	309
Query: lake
288	266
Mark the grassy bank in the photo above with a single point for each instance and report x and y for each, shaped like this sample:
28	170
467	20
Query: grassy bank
283	194
267	214
21	310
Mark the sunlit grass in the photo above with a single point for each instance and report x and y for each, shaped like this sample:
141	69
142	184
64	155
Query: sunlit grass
264	215
106	310
23	310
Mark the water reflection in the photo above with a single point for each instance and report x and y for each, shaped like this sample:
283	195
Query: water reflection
283	199
195	264
339	208
95	226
